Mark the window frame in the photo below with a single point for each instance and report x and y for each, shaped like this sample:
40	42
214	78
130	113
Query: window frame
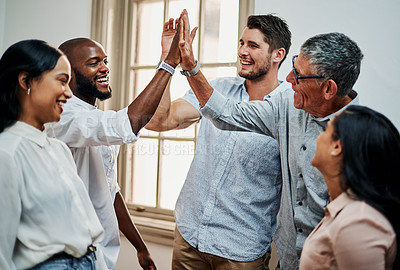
111	26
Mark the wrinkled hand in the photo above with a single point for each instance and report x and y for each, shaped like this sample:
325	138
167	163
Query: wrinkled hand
167	36
186	38
145	260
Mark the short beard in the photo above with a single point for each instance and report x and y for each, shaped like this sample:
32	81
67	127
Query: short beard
86	88
254	76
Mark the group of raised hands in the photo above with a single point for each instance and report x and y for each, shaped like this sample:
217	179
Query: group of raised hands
176	42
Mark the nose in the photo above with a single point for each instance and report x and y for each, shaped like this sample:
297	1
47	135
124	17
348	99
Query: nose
104	67
68	92
290	78
242	50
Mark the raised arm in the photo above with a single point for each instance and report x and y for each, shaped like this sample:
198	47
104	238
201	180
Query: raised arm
225	114
178	114
202	89
141	110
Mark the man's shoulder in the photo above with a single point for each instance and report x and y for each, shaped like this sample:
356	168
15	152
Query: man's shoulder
228	81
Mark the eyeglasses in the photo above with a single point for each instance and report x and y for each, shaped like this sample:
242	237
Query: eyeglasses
302	77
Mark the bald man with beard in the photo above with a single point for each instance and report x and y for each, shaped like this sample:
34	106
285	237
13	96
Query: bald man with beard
94	137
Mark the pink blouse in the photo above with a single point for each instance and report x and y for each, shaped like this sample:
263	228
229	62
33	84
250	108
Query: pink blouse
352	235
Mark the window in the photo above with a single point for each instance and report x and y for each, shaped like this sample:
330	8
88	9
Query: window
153	169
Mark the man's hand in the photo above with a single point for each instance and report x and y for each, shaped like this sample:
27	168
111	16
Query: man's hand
145	261
167	36
174	56
186	38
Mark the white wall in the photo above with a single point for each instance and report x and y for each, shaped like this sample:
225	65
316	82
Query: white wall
51	20
2	23
373	24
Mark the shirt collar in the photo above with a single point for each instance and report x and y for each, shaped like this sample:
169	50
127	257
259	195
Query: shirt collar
335	206
77	101
282	86
355	100
29	132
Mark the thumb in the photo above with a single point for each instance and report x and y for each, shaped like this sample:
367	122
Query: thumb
193	33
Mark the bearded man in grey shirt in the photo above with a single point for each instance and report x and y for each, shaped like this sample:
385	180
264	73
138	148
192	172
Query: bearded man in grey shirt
322	78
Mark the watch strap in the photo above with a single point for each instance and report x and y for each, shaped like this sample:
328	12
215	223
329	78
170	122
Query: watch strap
192	72
166	67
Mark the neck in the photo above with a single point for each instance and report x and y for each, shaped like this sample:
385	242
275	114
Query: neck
90	100
260	87
332	106
26	118
333	184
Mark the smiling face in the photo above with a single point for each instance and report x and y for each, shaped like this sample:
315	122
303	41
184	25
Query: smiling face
255	59
308	93
90	71
48	95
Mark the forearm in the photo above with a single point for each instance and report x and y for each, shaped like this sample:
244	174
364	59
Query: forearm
141	110
201	88
160	118
126	225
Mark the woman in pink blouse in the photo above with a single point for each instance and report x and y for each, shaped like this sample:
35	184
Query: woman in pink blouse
359	156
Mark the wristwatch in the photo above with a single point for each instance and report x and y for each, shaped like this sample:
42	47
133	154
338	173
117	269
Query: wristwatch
166	67
192	72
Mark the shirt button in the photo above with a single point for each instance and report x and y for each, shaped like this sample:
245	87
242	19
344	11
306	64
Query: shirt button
300	230
300	175
304	148
300	203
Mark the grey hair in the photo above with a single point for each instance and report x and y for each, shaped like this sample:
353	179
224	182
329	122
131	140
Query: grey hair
334	56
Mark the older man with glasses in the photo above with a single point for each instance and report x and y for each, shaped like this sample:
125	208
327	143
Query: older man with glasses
322	78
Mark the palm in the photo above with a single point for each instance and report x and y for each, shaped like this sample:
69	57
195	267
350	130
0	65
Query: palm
167	36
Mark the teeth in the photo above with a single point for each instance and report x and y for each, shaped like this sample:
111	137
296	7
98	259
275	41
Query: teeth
60	103
245	62
101	80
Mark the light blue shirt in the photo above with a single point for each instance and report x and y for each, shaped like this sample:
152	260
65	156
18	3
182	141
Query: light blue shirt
230	199
304	192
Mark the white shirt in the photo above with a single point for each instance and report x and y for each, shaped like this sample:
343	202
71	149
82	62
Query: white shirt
45	208
94	137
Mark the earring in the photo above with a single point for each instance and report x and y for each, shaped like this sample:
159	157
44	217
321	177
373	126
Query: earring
28	91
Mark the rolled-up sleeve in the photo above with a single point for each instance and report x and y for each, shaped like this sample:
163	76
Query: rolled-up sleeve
10	205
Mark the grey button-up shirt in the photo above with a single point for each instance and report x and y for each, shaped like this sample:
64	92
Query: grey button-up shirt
304	192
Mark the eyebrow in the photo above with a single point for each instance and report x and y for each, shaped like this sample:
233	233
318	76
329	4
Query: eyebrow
93	58
63	74
253	42
250	42
96	58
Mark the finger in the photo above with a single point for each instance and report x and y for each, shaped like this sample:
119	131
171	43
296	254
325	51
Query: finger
176	23
181	34
185	20
193	33
171	23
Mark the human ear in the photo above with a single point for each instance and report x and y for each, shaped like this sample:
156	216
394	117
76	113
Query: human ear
23	77
336	148
278	55
330	89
